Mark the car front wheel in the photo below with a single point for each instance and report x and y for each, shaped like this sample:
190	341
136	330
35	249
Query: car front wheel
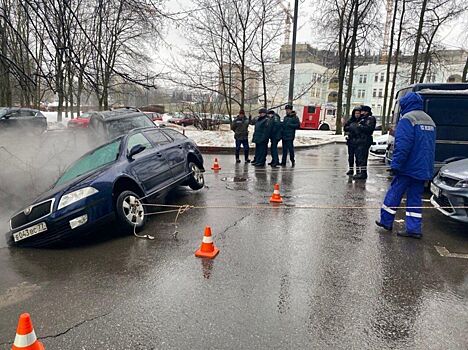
196	179
131	212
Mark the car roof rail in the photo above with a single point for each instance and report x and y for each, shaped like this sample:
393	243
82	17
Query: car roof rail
126	108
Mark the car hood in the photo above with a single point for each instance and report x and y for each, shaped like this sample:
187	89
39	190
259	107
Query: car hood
458	169
381	138
77	183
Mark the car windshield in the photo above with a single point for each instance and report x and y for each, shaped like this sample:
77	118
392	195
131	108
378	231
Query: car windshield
85	115
122	126
99	157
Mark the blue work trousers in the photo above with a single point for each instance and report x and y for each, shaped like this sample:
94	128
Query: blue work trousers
245	145
414	189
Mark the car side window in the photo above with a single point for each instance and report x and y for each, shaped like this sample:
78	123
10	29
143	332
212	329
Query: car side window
175	134
157	137
138	139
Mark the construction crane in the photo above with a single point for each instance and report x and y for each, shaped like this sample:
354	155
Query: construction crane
287	22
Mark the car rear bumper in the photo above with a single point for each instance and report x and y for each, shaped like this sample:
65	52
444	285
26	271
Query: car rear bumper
60	231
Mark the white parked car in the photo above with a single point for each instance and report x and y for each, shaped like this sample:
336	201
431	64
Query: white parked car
379	146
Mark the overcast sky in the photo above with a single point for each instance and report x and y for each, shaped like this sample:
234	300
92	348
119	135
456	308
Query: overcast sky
454	36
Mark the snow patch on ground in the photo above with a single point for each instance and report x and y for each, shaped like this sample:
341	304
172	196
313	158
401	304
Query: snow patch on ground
225	137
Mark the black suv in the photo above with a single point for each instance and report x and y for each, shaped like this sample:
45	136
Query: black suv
107	125
27	119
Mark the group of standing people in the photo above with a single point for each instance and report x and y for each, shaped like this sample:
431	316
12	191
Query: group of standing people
269	128
359	127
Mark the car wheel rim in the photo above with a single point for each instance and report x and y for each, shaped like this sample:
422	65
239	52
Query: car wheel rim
133	210
197	175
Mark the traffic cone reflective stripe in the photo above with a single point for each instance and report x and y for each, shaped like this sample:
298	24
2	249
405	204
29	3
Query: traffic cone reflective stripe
216	165
276	197
207	248
25	338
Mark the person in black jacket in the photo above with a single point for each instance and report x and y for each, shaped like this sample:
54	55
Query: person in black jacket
240	126
363	129
290	124
349	128
275	137
260	137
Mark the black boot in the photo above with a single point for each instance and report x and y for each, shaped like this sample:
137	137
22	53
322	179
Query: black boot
361	175
293	163
238	160
350	171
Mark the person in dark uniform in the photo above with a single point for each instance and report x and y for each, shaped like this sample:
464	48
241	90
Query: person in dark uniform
260	137
240	126
349	128
290	124
363	130
412	164
275	137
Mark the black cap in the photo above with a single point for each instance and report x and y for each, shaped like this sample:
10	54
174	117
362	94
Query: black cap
288	107
271	111
366	109
263	110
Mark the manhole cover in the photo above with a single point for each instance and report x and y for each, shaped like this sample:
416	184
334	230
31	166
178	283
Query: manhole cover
235	179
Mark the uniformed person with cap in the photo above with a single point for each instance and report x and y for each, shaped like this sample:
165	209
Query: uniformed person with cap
261	137
363	130
276	134
290	124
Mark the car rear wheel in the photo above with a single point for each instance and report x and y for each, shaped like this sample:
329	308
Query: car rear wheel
130	210
196	179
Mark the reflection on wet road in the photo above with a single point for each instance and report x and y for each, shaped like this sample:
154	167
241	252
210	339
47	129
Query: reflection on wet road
287	278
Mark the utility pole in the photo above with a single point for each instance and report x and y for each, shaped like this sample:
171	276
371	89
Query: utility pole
293	54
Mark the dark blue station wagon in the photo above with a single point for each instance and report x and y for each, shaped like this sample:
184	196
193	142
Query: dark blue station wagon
112	182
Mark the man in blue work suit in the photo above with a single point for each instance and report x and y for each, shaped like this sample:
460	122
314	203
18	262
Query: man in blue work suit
412	164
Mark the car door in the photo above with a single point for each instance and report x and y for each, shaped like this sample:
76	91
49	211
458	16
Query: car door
176	153
150	166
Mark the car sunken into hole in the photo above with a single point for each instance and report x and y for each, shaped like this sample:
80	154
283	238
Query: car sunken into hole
110	183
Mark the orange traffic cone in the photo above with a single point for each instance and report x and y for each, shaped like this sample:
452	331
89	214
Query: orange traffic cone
276	197
25	336
207	248
216	165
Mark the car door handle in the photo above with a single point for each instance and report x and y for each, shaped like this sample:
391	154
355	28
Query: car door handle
159	154
180	146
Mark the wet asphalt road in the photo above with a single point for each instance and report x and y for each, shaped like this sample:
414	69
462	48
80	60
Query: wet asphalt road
285	279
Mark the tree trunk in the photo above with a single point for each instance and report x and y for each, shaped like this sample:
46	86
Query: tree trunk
352	59
418	42
397	55
465	71
387	73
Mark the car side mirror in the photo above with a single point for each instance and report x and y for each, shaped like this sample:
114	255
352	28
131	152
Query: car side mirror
135	150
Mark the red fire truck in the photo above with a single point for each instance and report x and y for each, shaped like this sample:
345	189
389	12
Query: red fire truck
317	118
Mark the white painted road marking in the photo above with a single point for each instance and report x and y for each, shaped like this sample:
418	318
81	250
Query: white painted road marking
444	252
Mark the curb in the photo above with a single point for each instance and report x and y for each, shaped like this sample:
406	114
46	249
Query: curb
231	150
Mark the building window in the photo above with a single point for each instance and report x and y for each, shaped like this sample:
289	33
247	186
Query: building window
376	77
382	77
362	79
316	92
361	93
374	93
380	92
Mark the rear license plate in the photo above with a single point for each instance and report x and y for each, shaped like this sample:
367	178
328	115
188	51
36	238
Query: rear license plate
435	190
30	231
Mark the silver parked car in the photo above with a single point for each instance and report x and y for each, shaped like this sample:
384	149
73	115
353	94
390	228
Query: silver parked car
450	190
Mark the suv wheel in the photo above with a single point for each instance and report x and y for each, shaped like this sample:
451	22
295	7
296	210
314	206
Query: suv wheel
131	212
196	179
